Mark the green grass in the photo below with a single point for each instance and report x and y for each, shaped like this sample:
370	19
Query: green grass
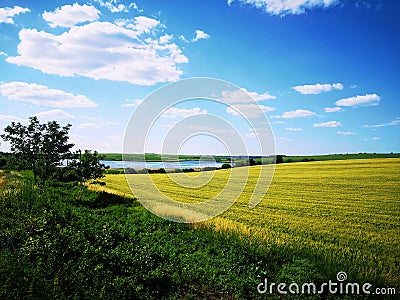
298	158
60	242
286	158
338	215
153	157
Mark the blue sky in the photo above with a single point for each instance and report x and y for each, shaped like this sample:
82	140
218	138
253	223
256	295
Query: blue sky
324	72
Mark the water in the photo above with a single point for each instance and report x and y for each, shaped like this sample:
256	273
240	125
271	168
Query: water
159	164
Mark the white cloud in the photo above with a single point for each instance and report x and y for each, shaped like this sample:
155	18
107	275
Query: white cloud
2	53
317	88
143	24
242	96
43	96
392	123
101	50
201	35
294	129
174	112
298	113
375	138
328	124
183	39
165	38
7	13
116	7
249	110
368	100
258	132
10	118
70	15
56	114
112	123
345	133
333	109
132	103
284	7
88	126
216	131
285	139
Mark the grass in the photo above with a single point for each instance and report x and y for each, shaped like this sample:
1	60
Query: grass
286	158
338	215
153	157
60	242
291	158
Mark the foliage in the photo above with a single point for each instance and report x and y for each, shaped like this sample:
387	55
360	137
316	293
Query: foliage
87	166
279	159
41	148
38	147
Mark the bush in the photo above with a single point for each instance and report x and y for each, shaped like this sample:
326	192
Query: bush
226	166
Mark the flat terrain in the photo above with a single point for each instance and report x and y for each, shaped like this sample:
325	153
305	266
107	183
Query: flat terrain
340	215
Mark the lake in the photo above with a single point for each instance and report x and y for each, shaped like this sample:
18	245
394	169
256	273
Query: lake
159	164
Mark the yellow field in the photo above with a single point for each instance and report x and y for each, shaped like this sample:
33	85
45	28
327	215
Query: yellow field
342	215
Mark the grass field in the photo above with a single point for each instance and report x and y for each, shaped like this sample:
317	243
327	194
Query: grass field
286	158
340	215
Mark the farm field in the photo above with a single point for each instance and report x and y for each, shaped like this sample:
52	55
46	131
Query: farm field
339	215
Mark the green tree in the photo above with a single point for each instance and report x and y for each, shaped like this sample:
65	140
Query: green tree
38	147
87	166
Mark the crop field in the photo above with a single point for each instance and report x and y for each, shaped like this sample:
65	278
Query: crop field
339	215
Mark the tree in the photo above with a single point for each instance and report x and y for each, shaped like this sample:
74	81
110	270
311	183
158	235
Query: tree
87	166
279	159
38	147
42	148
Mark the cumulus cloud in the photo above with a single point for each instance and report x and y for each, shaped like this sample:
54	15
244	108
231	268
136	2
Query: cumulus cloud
41	95
70	15
333	109
174	112
298	113
345	133
328	124
365	100
249	110
258	132
88	126
294	129
242	96
165	38
102	50
132	103
7	13
395	122
285	7
201	35
317	88
116	6
10	118
55	114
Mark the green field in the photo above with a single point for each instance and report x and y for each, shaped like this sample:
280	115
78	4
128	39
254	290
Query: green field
155	157
339	215
286	158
